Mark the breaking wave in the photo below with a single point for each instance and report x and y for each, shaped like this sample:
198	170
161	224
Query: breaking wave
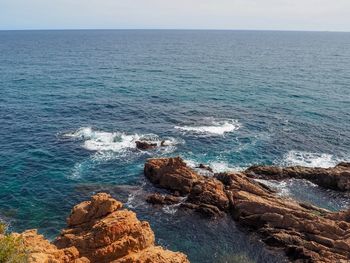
95	140
309	159
108	146
214	128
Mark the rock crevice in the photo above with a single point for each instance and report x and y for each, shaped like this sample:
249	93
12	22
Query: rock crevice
304	232
100	231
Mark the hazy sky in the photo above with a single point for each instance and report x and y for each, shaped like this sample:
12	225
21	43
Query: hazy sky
333	15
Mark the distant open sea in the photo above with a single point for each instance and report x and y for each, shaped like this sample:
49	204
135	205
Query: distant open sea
72	104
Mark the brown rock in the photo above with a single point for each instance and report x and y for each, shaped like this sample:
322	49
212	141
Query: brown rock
160	199
337	178
41	250
306	233
100	205
100	232
111	233
207	195
171	173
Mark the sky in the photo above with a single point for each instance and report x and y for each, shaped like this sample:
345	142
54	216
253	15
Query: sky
309	15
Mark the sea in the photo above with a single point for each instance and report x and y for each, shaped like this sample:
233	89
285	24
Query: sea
73	103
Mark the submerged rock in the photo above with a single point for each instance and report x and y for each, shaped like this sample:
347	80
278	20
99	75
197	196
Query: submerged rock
337	178
304	232
100	231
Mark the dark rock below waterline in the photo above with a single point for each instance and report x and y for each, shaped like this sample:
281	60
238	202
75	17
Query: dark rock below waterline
304	232
337	178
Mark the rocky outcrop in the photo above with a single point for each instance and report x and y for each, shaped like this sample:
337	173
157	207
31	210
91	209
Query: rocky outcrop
304	232
178	177
337	178
202	193
142	145
100	231
42	251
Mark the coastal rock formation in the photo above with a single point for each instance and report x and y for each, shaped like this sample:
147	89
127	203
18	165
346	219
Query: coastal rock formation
100	231
304	232
41	250
178	176
142	145
337	178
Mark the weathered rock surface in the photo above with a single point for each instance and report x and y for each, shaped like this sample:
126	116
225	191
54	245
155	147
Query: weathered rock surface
41	250
304	232
178	176
337	178
100	231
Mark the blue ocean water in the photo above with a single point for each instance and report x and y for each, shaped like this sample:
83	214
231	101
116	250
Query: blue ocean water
72	104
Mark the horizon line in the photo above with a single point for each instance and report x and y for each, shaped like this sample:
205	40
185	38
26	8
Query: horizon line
176	29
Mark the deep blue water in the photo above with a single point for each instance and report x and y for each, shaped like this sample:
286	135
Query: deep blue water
72	103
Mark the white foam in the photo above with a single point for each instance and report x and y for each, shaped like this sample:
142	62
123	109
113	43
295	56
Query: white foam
309	159
215	128
99	141
191	163
219	167
131	199
77	171
280	186
216	166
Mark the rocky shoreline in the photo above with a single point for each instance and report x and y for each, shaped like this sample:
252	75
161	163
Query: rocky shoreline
99	231
305	233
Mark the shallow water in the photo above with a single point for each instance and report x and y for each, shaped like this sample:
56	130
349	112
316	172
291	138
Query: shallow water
72	103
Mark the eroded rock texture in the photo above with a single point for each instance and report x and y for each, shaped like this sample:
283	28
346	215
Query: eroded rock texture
100	231
337	178
306	233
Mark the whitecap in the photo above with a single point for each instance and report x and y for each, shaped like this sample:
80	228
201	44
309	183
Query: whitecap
101	141
214	128
309	159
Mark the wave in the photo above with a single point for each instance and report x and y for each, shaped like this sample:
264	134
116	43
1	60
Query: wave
95	140
310	159
220	166
108	146
216	166
214	128
306	191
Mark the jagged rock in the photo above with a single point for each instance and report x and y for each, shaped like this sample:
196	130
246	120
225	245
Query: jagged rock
145	145
337	178
111	234
160	199
100	231
306	233
171	173
42	251
205	194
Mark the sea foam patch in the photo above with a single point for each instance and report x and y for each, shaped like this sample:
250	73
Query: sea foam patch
108	146
216	166
95	140
309	159
214	127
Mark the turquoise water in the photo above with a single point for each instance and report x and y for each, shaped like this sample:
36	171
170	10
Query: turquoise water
72	103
